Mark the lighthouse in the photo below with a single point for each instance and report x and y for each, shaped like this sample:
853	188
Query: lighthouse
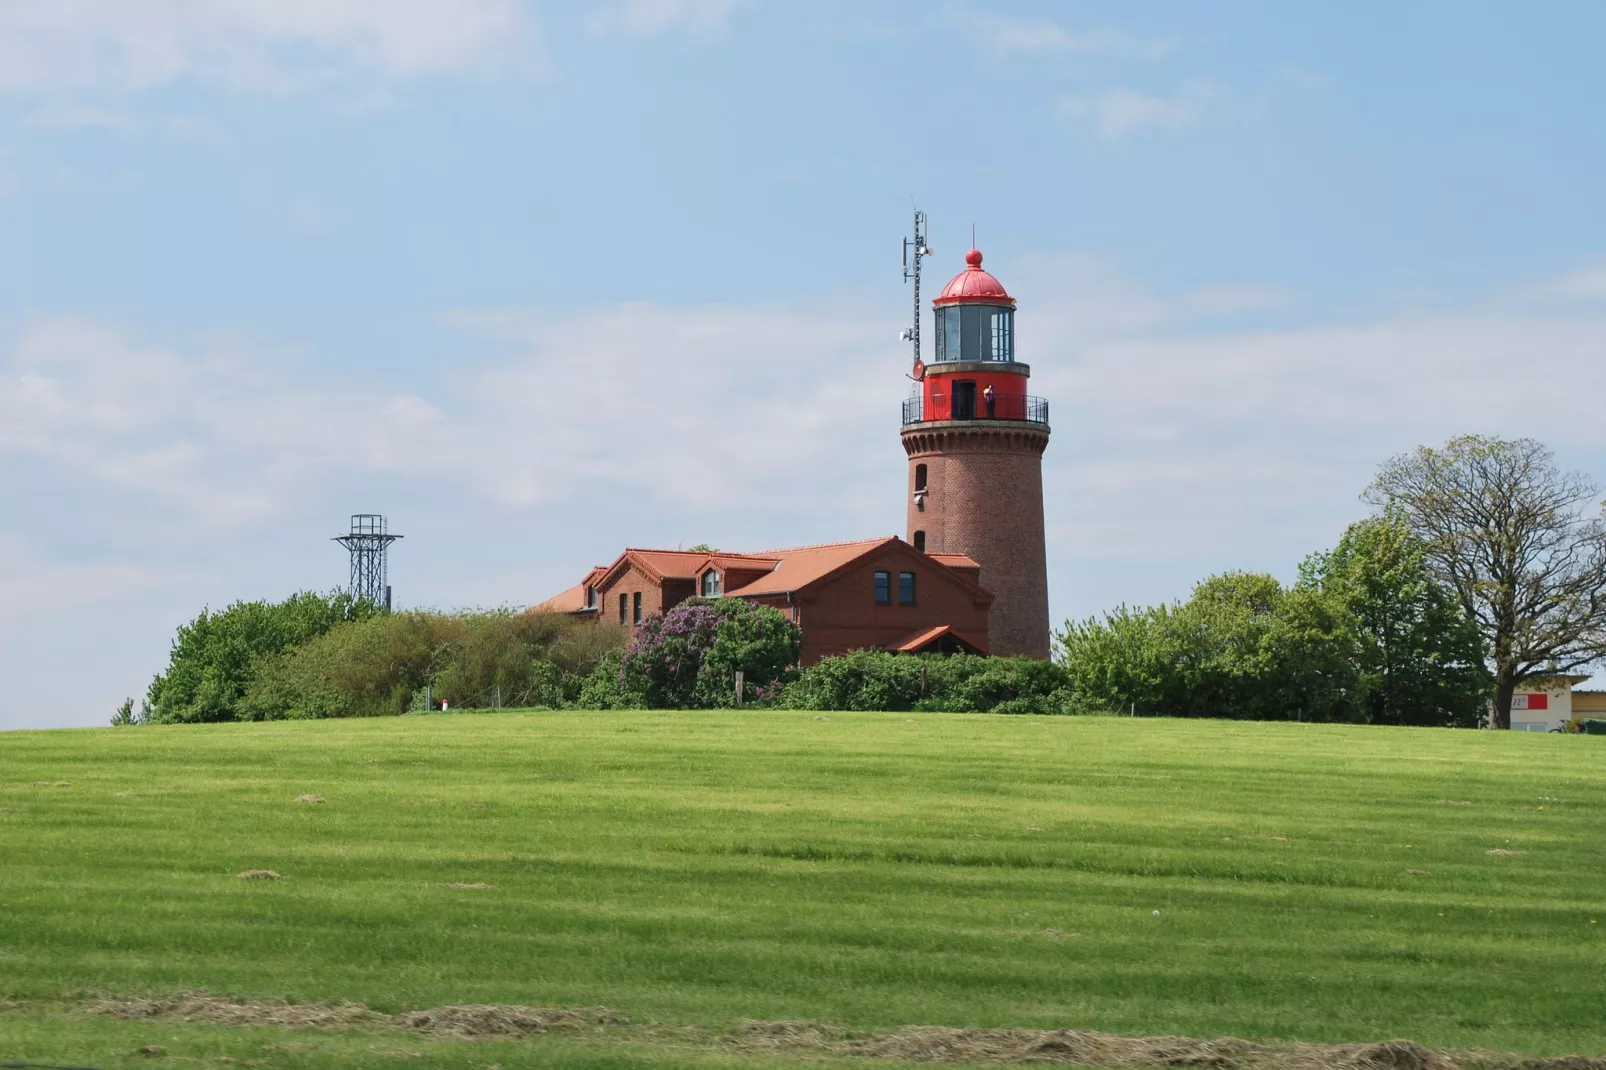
975	438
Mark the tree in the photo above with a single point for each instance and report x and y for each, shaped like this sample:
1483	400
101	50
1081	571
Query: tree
689	656
215	656
1242	646
1508	532
379	666
1419	656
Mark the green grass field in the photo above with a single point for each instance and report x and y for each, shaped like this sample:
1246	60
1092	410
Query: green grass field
693	869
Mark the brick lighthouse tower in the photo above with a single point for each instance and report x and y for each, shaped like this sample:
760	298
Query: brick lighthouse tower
975	440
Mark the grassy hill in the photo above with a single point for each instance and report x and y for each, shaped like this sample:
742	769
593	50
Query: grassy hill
689	870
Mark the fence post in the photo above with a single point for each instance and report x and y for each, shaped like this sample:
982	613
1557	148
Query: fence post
741	684
429	697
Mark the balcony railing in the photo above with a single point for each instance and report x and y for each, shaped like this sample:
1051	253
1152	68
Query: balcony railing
943	406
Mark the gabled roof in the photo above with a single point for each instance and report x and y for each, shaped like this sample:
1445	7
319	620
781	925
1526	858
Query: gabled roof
659	565
750	562
571	601
955	560
801	566
781	571
918	641
806	566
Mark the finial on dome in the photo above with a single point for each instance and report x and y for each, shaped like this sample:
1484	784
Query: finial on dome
973	258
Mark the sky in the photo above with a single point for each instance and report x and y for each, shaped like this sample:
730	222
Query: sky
539	281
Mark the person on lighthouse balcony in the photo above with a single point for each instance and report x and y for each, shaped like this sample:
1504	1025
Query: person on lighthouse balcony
990	398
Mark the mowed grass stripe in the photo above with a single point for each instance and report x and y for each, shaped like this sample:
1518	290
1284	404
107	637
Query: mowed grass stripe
1315	882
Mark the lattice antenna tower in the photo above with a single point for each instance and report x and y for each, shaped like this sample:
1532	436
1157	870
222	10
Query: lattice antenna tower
369	543
914	250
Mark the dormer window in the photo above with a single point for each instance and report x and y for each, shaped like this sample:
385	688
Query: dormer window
591	598
711	584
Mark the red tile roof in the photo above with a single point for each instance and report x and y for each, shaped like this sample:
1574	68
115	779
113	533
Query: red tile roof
920	640
571	601
954	560
798	567
790	569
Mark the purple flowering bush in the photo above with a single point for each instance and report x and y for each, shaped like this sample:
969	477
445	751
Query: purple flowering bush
689	656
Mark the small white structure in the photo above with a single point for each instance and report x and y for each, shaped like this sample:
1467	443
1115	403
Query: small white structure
1546	704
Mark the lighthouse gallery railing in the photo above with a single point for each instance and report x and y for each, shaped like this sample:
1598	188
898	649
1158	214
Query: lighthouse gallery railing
942	406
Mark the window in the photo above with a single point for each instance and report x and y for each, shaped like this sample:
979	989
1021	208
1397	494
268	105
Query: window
1000	329
710	584
883	588
920	477
975	332
635	610
624	609
591	598
920	541
906	588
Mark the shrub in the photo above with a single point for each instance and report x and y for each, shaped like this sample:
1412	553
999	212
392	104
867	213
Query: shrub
689	656
215	657
879	680
379	666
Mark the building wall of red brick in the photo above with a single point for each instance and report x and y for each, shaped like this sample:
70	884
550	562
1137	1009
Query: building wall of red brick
629	583
841	614
984	498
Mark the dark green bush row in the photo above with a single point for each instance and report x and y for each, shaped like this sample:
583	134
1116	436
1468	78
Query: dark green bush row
963	683
314	656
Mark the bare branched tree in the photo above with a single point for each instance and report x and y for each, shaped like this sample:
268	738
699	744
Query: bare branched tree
1511	534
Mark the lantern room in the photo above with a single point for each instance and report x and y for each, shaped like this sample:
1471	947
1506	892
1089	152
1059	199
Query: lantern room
975	317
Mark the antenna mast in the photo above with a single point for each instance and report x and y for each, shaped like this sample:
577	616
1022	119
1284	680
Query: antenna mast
917	248
369	542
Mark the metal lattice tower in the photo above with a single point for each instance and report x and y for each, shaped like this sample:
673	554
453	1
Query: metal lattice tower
369	542
913	250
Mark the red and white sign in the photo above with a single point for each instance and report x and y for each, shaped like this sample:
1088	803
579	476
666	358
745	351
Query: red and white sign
1530	702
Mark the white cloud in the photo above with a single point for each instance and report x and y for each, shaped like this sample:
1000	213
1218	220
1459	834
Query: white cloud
652	18
210	435
674	405
1588	284
38	587
686	405
1233	301
85	117
1013	35
1120	112
264	44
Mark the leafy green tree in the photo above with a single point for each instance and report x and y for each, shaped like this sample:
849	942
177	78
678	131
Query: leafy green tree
758	641
215	656
1127	659
688	657
1242	646
1420	658
1520	542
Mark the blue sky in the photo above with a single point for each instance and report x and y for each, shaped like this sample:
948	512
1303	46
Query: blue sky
540	281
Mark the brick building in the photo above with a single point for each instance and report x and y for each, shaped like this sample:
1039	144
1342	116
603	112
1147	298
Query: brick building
972	574
878	593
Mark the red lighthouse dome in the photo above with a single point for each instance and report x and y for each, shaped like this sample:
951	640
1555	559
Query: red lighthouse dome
973	284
